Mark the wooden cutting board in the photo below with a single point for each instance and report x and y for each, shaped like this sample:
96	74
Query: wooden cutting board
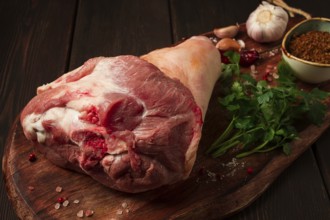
216	187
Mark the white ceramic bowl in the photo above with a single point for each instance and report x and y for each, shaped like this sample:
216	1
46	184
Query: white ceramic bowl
307	71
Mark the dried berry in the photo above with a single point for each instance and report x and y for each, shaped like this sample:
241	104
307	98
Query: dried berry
248	57
32	157
249	170
60	199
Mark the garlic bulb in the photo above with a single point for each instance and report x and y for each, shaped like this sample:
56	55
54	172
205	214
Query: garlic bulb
267	23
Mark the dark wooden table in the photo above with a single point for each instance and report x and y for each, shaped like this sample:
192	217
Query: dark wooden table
40	40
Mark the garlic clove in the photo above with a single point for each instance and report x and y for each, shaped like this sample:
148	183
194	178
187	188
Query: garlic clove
226	44
226	32
241	43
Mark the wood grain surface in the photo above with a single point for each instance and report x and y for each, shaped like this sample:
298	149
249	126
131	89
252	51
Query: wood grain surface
34	47
42	39
216	188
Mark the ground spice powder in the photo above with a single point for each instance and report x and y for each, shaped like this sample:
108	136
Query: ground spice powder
312	46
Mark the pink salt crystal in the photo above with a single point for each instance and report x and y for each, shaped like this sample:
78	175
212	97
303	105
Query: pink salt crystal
57	205
89	212
80	214
58	189
66	203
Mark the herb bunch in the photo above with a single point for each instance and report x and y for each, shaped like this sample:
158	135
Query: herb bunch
263	117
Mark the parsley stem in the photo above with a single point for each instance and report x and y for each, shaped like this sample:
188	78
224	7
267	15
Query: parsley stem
279	144
223	136
268	149
224	145
223	149
244	154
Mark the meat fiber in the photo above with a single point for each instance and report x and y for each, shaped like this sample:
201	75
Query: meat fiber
131	123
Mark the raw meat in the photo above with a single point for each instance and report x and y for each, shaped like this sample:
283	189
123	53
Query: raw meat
131	123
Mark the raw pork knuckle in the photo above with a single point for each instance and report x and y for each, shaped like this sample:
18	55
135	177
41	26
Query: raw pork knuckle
131	123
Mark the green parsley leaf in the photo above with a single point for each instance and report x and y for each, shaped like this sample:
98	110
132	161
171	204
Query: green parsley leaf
233	56
263	117
265	97
287	149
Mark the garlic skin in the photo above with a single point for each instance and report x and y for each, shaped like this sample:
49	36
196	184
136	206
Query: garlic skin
267	23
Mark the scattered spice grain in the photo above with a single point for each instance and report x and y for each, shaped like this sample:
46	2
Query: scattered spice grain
312	46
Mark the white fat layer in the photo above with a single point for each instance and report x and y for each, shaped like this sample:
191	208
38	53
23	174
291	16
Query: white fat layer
63	119
59	94
100	81
106	77
41	136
